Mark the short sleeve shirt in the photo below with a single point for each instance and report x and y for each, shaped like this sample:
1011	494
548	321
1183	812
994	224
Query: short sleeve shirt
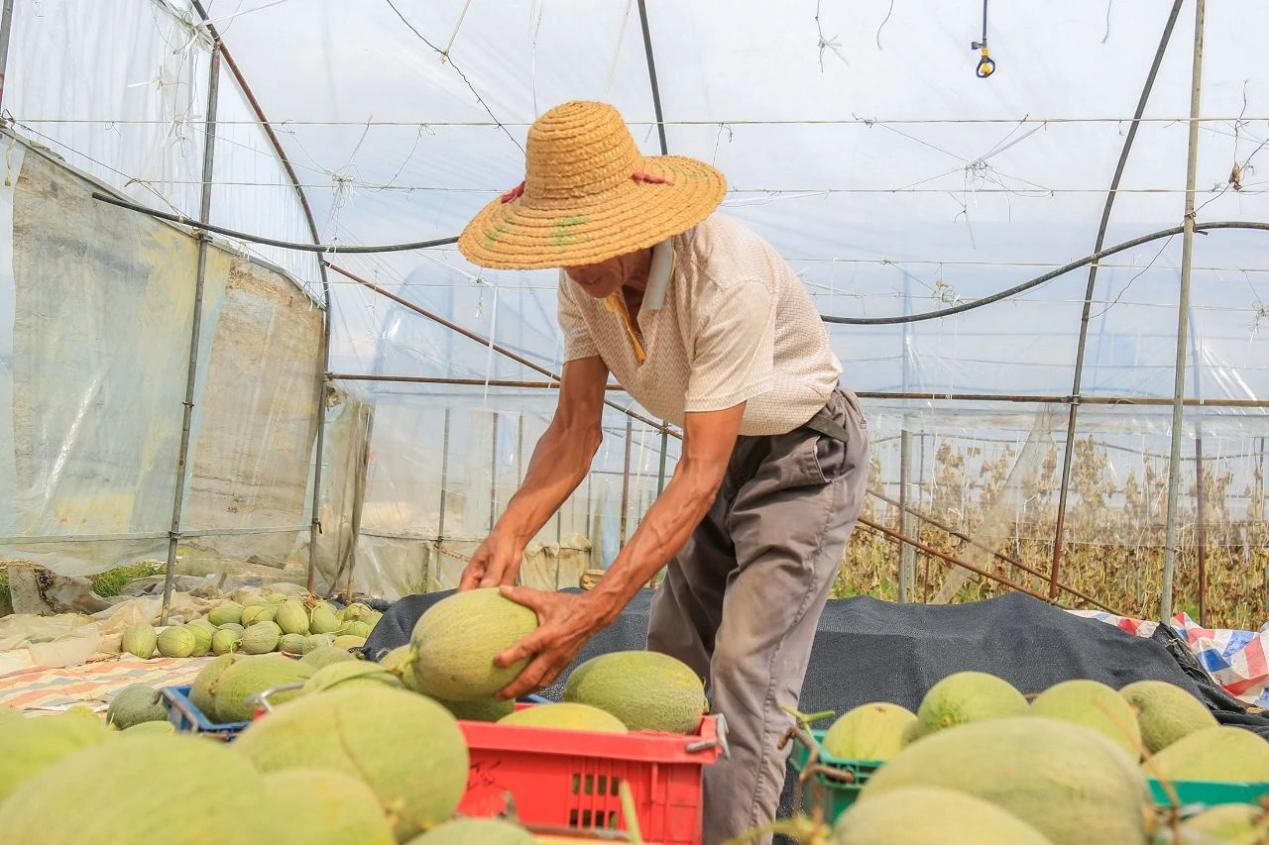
736	325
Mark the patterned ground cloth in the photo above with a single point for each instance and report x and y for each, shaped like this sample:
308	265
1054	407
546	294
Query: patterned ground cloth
1236	659
40	688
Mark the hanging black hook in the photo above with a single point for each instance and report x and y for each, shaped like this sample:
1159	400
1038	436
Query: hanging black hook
986	64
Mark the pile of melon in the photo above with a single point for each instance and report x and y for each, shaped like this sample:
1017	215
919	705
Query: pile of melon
978	763
351	751
288	624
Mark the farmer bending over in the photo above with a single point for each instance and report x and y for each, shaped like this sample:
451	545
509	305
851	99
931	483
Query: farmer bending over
708	328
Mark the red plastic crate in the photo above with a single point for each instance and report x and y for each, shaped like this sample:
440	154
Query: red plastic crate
569	779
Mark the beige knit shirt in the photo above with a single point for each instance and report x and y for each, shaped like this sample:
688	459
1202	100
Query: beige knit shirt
736	326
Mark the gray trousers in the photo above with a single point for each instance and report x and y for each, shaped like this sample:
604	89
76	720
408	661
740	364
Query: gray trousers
741	600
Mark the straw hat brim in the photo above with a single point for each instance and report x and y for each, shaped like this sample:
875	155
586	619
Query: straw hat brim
532	233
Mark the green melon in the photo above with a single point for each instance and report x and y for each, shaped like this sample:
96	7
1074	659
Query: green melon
323	619
1068	782
260	638
292	618
346	642
966	697
202	622
149	728
177	641
225	613
202	693
277	598
1222	753
647	691
356	612
316	641
871	731
326	655
926	815
253	613
225	641
326	807
1094	706
139	640
356	628
1226	824
481	710
400	662
456	641
1165	713
30	747
170	789
566	716
475	832
134	704
361	732
296	644
202	638
911	733
243	679
350	674
231	626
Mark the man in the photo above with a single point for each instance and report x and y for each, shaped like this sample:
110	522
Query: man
707	328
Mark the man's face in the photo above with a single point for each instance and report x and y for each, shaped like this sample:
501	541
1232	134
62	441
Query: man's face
599	280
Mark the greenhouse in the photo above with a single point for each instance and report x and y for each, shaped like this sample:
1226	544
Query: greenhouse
244	354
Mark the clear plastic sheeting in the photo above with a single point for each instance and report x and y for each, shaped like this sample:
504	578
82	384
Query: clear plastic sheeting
93	365
854	137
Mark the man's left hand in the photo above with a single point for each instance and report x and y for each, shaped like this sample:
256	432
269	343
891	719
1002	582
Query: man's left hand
566	622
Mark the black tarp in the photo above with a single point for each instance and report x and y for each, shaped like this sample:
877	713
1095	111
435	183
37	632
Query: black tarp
871	650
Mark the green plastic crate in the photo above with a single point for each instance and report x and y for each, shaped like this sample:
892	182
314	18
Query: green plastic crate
834	794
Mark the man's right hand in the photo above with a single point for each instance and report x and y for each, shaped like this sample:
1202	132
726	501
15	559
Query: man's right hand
495	563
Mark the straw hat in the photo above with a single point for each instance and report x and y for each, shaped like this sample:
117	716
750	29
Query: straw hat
589	195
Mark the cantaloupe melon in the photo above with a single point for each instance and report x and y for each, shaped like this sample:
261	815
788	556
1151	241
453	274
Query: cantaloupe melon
202	637
149	728
326	807
647	691
1166	713
1226	824
251	675
134	704
177	641
567	716
326	655
170	789
37	743
925	815
225	641
481	710
1093	705
350	674
202	693
965	697
292	617
1068	782
871	731
456	639
1222	753
225	613
139	640
365	732
259	638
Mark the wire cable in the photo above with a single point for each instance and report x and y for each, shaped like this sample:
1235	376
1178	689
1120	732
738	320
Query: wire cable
260	239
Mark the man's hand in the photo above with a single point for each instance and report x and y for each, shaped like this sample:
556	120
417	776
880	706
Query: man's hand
566	622
495	563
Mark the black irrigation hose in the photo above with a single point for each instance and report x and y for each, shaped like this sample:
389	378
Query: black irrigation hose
828	318
1041	279
244	236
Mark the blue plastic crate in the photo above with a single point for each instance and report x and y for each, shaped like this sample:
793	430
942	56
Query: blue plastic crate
185	716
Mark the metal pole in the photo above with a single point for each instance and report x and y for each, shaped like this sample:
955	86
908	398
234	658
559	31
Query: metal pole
1200	526
625	479
1183	313
1073	412
652	75
6	26
665	440
440	521
907	553
196	323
